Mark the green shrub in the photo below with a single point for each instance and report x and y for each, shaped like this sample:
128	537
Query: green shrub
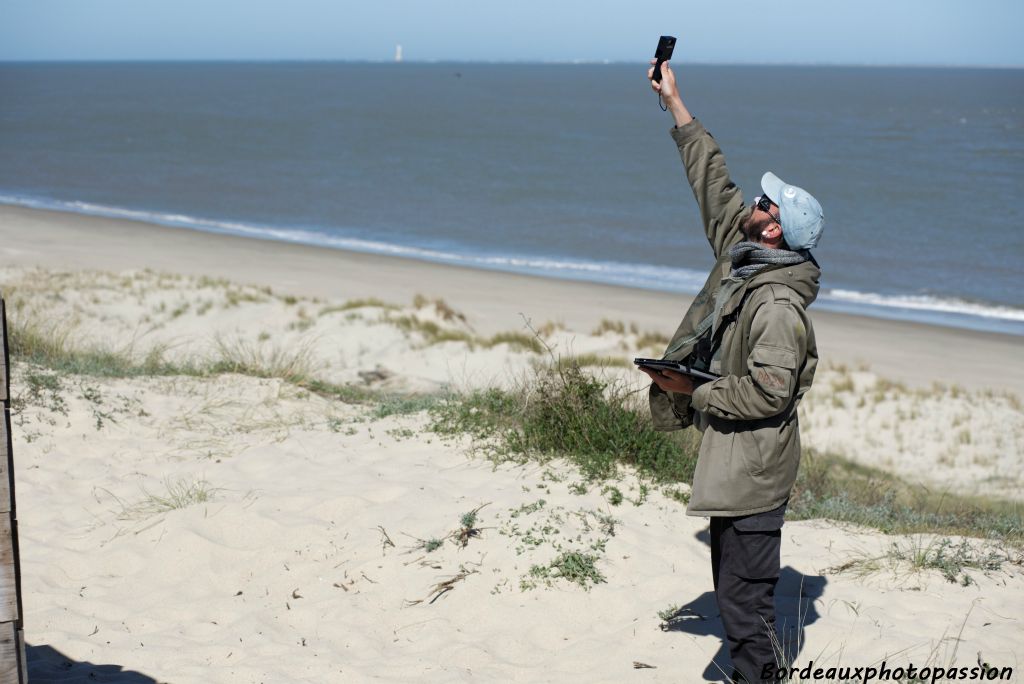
573	566
398	404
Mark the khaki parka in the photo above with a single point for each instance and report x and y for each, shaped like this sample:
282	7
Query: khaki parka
761	343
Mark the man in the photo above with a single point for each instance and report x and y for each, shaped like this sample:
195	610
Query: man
749	325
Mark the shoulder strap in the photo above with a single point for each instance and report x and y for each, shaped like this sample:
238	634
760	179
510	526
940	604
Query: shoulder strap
725	293
698	332
781	293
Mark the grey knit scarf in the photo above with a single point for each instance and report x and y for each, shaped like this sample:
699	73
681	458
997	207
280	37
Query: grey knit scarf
750	258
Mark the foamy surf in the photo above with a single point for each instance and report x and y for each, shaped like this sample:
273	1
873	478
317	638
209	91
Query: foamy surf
928	303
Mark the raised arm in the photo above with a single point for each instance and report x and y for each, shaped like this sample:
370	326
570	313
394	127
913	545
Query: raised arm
720	201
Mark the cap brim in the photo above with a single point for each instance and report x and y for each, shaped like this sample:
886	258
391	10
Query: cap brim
772	186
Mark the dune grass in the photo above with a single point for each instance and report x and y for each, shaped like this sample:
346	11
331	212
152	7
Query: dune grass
293	365
47	347
652	339
833	487
371	302
916	554
433	333
515	340
442	308
590	360
616	327
51	345
180	493
562	411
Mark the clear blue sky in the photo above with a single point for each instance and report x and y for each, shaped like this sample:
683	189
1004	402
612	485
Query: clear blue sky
961	32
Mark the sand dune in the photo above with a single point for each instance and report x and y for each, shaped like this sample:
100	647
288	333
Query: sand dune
231	528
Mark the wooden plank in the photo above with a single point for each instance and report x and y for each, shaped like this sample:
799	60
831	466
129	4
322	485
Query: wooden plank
5	360
20	610
8	579
10	658
13	668
6	463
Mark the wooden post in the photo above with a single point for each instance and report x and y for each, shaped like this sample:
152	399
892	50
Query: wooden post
12	635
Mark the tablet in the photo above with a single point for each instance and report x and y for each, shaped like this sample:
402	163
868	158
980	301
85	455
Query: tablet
677	367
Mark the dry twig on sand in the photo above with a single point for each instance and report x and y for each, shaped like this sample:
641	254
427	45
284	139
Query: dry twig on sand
442	588
385	540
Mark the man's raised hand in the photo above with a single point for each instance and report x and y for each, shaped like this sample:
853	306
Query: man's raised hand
669	93
667	87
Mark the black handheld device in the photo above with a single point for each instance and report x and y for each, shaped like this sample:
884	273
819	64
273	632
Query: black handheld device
677	366
664	53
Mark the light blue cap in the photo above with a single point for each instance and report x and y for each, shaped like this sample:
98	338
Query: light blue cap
799	213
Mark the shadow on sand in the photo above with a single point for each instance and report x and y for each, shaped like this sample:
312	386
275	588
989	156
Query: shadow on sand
795	608
46	664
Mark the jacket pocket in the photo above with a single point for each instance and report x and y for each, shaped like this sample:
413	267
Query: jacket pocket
773	369
751	453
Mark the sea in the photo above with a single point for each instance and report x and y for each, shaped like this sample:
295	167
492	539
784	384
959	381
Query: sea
557	170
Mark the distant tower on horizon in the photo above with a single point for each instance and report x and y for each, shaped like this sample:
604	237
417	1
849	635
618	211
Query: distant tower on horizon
398	52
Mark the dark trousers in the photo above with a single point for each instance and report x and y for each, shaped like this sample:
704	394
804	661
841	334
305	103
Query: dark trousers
745	564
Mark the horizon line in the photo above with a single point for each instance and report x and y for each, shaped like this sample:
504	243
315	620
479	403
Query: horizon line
538	62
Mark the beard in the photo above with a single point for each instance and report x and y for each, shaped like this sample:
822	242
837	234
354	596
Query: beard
751	229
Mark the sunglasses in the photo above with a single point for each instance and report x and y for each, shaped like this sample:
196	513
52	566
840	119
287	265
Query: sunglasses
765	205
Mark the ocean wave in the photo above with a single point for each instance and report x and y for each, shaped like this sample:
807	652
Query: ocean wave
927	308
926	303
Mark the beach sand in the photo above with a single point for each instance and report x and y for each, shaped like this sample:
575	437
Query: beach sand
912	353
300	557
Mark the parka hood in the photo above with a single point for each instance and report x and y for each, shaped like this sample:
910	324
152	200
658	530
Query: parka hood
803	279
